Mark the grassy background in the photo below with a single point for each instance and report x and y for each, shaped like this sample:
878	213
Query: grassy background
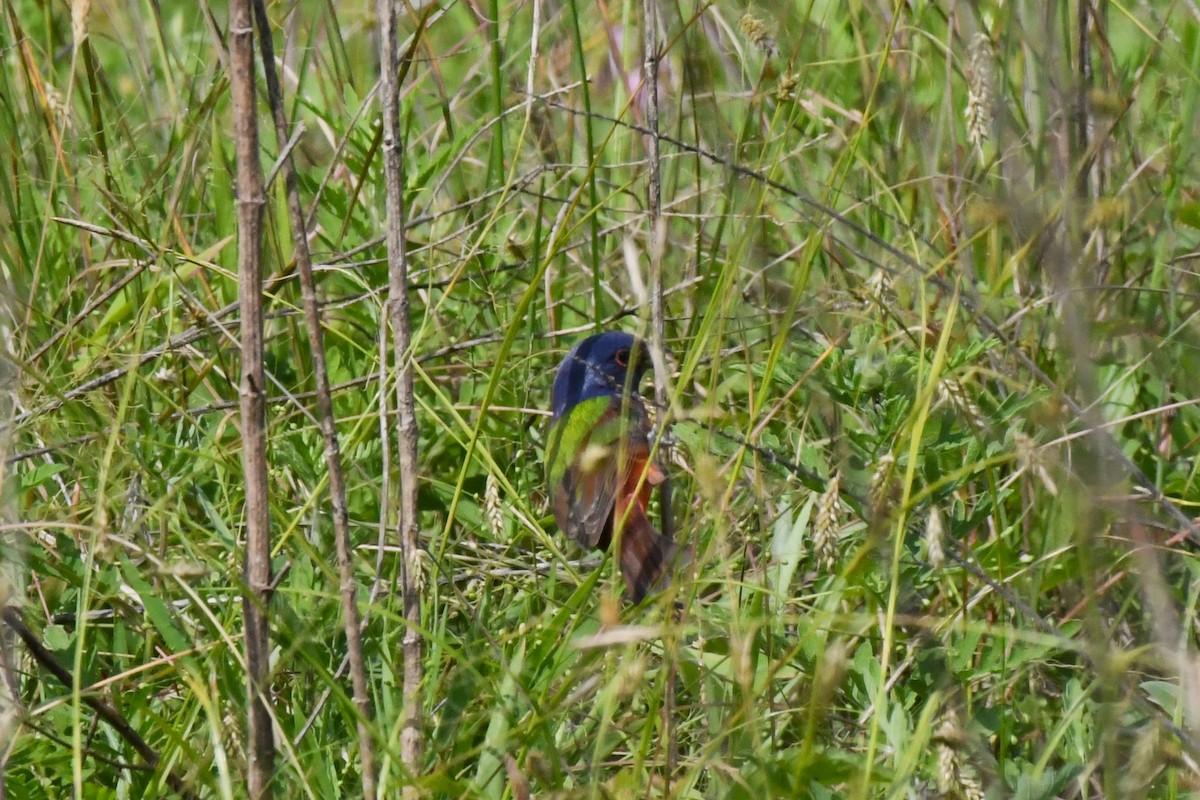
933	398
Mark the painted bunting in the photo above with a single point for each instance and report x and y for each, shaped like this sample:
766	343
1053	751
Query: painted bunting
598	465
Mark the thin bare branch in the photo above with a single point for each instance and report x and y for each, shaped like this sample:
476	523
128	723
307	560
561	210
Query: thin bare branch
333	459
257	568
662	395
398	312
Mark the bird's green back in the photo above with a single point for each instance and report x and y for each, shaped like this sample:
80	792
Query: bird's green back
581	424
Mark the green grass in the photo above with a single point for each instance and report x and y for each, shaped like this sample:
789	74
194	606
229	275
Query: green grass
987	352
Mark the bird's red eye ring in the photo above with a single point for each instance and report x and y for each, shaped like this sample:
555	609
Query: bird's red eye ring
622	358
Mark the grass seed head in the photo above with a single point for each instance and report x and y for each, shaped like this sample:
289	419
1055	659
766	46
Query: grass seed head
493	510
756	31
828	524
956	778
981	94
935	529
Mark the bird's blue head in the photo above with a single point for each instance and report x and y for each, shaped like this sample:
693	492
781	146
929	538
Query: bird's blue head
602	365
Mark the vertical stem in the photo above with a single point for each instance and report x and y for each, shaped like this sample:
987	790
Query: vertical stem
257	569
333	460
650	88
658	231
496	158
592	158
12	710
1082	117
398	310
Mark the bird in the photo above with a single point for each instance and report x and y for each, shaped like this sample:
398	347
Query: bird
598	467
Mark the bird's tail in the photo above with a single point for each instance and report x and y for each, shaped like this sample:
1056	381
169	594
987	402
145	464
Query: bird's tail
647	557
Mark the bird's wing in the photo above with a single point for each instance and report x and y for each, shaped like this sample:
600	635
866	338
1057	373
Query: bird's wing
587	447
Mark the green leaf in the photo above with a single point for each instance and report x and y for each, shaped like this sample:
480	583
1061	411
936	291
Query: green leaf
161	616
1189	214
787	546
56	637
41	474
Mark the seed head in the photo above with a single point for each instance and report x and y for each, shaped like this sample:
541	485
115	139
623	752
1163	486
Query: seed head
828	524
492	507
981	92
755	30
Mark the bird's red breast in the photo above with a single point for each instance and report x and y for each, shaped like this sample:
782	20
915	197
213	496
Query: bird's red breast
645	555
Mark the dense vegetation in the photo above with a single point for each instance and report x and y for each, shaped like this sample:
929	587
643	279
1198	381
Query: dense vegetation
930	293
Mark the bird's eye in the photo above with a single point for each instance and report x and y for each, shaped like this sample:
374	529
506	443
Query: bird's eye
622	358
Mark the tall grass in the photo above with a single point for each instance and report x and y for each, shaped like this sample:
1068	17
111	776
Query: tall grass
929	291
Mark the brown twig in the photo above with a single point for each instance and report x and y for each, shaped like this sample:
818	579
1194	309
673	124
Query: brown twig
325	419
662	396
657	240
398	313
257	569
